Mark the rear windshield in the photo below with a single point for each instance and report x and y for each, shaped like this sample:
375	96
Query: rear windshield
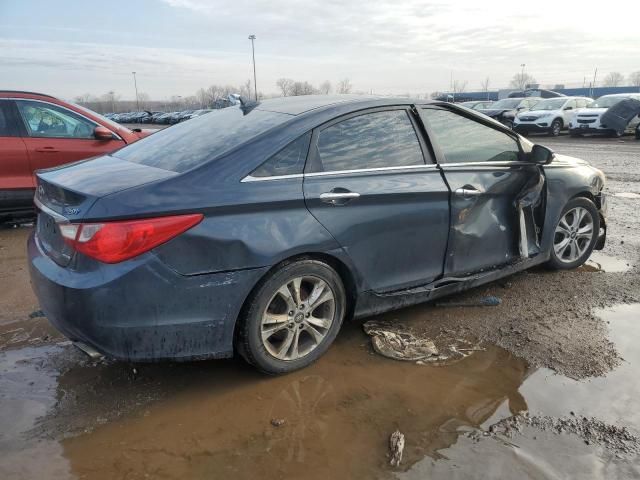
187	145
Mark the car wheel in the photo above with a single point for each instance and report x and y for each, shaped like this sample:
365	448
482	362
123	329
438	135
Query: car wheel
575	235
616	134
293	317
638	132
556	128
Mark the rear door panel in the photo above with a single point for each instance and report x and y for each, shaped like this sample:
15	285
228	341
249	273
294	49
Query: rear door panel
395	228
14	161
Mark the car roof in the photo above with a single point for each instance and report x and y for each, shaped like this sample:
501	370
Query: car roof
304	103
18	93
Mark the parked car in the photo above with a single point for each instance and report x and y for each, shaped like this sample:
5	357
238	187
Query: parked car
505	110
258	229
40	131
550	116
197	113
477	104
590	119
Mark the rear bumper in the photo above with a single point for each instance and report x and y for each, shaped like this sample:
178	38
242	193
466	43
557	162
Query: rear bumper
141	310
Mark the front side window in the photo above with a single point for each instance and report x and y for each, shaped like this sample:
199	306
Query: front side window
5	131
372	140
288	161
463	140
50	121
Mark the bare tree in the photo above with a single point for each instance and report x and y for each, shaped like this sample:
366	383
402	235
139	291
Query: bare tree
143	100
459	86
634	79
613	79
302	88
344	86
521	80
485	86
325	87
285	84
246	89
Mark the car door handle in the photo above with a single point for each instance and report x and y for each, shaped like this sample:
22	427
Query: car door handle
338	198
468	192
47	150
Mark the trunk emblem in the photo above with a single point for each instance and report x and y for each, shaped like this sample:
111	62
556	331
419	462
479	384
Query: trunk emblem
72	211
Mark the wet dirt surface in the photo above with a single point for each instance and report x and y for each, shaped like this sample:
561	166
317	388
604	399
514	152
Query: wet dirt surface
559	342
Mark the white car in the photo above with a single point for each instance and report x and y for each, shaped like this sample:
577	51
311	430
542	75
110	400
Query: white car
551	115
588	120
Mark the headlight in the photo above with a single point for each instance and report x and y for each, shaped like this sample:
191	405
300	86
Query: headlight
544	115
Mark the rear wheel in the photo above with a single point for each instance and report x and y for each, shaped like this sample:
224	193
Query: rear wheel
293	317
575	234
556	128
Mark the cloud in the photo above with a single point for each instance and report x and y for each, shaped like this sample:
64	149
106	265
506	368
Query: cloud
389	47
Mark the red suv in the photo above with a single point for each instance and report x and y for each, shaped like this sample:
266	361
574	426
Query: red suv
39	131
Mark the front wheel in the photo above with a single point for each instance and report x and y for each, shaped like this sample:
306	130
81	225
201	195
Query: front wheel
293	317
556	128
575	235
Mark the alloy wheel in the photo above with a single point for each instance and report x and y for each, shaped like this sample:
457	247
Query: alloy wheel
573	235
298	318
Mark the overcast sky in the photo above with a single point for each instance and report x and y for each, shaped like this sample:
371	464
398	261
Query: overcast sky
72	47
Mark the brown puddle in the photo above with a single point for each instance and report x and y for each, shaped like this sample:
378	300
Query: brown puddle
213	419
601	262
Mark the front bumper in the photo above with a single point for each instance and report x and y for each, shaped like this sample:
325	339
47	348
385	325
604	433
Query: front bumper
531	127
589	130
140	309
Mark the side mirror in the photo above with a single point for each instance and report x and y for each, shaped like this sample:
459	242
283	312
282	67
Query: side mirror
102	133
541	155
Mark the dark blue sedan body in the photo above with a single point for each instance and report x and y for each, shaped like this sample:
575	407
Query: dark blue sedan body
401	234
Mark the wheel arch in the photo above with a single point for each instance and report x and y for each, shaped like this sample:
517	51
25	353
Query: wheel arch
344	272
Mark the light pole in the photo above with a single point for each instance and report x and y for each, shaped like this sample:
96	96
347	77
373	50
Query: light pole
522	75
253	54
135	84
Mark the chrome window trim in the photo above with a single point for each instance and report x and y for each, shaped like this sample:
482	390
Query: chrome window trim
56	216
118	137
369	170
250	178
487	164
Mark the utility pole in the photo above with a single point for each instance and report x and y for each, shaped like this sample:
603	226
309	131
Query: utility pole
595	73
253	54
135	84
522	76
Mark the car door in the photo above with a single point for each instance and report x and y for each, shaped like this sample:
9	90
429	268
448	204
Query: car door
568	111
14	161
55	135
367	182
483	167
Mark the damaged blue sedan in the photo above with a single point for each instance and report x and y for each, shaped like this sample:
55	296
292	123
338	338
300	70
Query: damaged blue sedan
259	229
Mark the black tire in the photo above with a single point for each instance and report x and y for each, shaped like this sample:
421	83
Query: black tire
638	132
556	128
557	263
249	341
615	134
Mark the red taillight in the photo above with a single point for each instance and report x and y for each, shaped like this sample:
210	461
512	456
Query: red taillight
113	242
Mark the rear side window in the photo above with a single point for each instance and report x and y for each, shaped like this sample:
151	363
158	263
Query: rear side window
288	161
372	140
192	143
463	140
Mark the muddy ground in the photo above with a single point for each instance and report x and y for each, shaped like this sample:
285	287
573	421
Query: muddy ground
560	345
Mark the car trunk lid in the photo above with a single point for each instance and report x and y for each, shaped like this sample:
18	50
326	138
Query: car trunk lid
65	195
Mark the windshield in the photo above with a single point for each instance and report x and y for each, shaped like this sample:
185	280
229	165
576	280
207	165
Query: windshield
550	104
605	102
102	118
190	144
506	103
